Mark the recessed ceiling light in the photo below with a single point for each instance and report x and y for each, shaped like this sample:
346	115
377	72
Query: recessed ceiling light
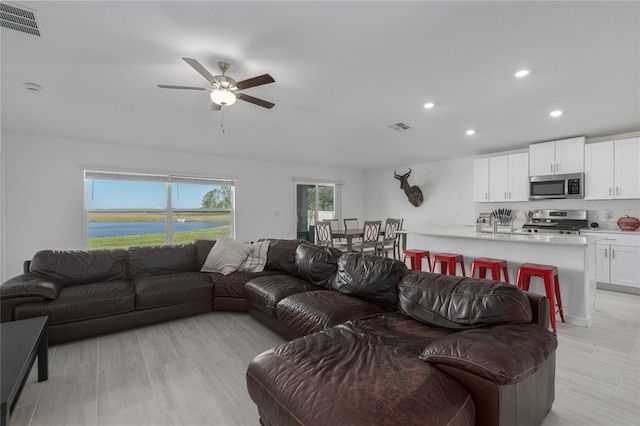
471	132
556	113
429	105
522	73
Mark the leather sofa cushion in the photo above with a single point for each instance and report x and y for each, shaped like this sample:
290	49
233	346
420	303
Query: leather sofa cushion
172	289
146	261
360	373
31	284
281	255
82	302
370	278
314	311
317	264
503	354
73	267
264	293
461	303
203	247
232	285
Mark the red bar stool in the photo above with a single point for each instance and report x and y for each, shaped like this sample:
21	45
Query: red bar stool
495	265
551	286
415	256
448	262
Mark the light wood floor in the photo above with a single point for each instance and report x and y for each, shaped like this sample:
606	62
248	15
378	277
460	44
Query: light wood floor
192	372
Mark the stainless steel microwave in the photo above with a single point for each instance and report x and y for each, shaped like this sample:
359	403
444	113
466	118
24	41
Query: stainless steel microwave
556	186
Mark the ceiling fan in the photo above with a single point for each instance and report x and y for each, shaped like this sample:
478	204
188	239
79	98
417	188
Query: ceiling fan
224	90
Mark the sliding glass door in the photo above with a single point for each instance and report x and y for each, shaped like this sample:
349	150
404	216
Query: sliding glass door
314	202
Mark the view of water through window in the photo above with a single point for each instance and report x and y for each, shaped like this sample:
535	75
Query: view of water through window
125	210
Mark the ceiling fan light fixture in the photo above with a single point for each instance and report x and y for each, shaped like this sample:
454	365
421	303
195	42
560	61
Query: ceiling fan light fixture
223	97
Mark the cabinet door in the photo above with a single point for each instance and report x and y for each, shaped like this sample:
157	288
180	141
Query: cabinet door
481	180
518	181
625	267
498	178
569	156
603	251
598	171
542	159
627	170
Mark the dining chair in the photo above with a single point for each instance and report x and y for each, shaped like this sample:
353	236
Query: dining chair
370	237
391	237
337	242
351	223
323	234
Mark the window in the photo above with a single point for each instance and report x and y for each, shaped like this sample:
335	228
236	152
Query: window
129	209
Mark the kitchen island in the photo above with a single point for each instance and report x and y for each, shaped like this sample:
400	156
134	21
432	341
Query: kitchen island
574	255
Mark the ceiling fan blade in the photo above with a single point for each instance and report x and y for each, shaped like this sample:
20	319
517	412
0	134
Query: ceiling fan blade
215	107
202	70
255	81
256	101
166	86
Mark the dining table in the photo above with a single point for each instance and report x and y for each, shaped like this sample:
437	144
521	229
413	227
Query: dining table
350	234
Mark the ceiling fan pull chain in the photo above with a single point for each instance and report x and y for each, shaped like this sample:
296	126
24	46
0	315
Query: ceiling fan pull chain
222	119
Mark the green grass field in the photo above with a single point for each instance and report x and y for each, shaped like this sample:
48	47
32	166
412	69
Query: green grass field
149	239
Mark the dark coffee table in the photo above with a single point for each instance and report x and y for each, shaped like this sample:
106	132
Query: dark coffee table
21	342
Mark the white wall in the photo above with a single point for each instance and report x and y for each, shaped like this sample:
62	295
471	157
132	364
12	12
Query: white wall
447	187
44	190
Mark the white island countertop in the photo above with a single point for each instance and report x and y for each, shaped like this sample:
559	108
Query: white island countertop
555	239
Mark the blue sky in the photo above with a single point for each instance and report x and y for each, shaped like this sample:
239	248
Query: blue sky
142	195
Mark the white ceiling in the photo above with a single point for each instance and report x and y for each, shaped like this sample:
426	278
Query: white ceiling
344	72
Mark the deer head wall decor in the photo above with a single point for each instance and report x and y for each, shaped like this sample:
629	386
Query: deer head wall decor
414	194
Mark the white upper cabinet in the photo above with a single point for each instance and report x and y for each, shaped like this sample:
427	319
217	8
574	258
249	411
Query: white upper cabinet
518	187
598	171
557	157
502	178
612	170
481	180
626	167
498	177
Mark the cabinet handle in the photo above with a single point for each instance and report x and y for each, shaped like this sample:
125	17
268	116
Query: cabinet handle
551	168
505	195
617	190
605	253
510	196
613	253
610	192
557	167
486	195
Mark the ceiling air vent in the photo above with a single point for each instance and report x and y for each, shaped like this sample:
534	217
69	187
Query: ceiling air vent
20	19
398	127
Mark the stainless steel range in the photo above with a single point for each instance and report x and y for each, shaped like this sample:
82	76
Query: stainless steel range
556	222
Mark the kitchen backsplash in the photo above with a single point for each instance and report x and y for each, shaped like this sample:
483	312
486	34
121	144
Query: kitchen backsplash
607	219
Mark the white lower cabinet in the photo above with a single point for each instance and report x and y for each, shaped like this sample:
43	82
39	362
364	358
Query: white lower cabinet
618	261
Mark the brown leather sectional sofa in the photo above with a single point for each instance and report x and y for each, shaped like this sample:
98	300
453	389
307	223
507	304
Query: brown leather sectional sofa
371	342
375	343
86	293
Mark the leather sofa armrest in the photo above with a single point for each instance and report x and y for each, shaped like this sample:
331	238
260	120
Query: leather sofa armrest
503	354
29	285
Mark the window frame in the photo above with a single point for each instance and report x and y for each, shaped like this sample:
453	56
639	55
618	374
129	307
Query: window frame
168	210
